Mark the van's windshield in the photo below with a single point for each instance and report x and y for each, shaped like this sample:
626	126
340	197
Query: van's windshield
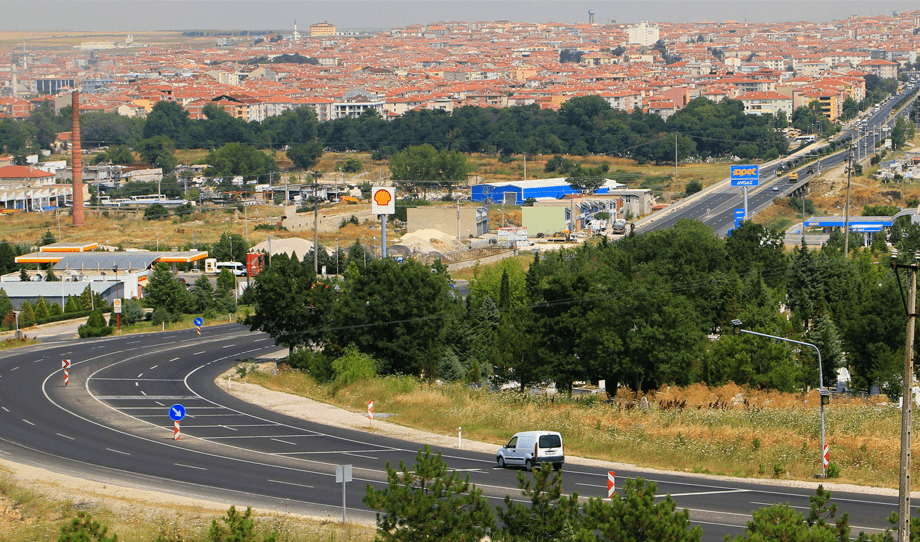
550	441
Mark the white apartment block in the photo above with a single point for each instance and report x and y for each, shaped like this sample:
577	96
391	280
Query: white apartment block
643	34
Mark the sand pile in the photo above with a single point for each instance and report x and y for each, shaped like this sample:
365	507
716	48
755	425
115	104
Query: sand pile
424	241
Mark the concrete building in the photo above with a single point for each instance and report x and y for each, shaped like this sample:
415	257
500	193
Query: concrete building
322	29
462	222
30	189
642	34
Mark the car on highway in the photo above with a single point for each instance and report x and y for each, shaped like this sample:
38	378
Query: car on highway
530	448
775	189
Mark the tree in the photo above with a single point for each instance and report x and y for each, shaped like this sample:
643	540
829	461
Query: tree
5	304
82	528
637	517
159	152
429	502
358	255
167	119
548	513
95	326
132	312
41	308
692	187
47	238
72	305
226	282
403	332
163	290
155	211
290	304
353	366
351	165
231	247
26	315
203	293
305	155
239	159
781	522
417	165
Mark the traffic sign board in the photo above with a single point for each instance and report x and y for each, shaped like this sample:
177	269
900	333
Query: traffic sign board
177	412
116	304
198	321
745	175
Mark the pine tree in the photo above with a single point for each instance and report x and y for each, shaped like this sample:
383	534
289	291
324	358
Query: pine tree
41	308
55	310
82	528
5	304
549	509
87	302
429	502
504	293
26	315
72	305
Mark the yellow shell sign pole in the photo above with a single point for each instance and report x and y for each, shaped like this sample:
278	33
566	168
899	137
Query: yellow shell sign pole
383	203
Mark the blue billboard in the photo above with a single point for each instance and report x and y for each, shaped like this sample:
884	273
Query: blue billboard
745	175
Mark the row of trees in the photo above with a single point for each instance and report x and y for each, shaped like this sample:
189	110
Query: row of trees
638	312
431	502
583	125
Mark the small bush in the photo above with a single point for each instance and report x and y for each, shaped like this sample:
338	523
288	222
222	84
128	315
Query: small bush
833	470
162	316
778	470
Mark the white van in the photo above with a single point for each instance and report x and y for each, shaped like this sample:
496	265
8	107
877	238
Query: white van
531	448
236	268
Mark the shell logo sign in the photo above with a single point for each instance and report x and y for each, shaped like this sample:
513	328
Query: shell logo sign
383	200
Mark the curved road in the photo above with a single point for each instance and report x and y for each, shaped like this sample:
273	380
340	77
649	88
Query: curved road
111	424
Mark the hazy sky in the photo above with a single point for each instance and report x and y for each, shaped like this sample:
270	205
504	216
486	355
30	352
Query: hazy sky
136	15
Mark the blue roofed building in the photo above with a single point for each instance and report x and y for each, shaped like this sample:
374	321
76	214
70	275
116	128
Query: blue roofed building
517	192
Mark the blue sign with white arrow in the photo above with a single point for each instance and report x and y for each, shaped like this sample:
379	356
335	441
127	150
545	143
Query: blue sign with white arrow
198	322
177	412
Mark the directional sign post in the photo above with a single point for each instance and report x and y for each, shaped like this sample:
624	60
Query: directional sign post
198	322
176	412
342	475
739	217
116	307
65	363
745	176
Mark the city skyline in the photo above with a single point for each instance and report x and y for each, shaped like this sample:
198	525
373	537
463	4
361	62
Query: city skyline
152	15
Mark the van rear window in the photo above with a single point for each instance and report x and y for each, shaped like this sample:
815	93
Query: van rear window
550	441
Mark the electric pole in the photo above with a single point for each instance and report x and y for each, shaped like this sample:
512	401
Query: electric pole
907	396
846	210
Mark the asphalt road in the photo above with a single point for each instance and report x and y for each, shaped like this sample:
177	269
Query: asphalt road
111	424
716	207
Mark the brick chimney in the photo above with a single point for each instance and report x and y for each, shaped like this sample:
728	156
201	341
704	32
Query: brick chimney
77	159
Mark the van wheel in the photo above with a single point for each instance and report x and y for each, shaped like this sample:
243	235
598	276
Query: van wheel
528	465
501	462
557	466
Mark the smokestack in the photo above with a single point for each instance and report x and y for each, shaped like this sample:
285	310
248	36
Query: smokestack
77	159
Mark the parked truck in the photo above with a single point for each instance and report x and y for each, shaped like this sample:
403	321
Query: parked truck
794	177
619	226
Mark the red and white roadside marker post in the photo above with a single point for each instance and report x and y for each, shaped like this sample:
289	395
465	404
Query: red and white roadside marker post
370	412
611	484
176	413
826	456
176	433
65	363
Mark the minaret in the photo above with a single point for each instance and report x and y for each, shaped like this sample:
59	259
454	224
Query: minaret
296	35
77	161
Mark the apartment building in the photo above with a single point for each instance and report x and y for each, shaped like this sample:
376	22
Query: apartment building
762	103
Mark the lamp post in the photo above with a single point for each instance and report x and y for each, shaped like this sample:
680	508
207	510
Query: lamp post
337	255
16	316
825	395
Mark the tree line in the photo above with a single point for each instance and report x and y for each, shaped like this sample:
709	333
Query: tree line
642	313
582	126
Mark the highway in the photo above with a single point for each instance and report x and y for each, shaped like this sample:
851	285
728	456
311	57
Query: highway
111	424
716	206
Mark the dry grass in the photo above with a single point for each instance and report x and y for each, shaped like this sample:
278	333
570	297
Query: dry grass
35	513
728	430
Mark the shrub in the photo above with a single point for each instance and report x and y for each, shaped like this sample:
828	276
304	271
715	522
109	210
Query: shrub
162	315
353	366
833	470
94	326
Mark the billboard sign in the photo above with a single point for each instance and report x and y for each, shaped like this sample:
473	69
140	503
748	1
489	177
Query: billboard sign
745	175
383	200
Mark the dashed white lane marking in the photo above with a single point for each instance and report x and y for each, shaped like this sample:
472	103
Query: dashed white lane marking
284	441
189	466
118	451
65	436
27	421
14	368
228	346
289	484
704	493
174	359
154	367
5	409
143	393
198	353
140	375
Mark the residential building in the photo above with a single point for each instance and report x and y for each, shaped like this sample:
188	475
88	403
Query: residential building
643	34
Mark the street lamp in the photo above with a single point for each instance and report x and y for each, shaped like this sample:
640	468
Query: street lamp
16	315
825	395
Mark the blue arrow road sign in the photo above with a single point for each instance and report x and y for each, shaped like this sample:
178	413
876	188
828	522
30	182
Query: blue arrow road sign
177	412
198	321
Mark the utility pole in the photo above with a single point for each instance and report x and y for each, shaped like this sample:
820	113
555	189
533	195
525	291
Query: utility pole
675	166
907	396
525	166
315	225
846	210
